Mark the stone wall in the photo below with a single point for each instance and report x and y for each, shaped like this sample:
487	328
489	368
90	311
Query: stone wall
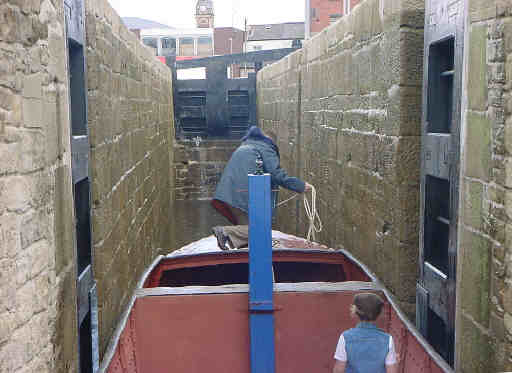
37	257
131	130
484	304
346	110
197	170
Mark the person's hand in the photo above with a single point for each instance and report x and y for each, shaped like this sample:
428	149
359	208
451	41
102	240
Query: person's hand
308	187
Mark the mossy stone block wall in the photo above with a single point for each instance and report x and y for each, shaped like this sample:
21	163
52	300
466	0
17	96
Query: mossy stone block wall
484	310
131	130
131	123
346	110
38	324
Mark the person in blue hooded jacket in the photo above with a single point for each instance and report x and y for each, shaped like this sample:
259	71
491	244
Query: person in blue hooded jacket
231	196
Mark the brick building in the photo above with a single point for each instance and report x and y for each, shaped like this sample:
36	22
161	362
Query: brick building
322	13
228	40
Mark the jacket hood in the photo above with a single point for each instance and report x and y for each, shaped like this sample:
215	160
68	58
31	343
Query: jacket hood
255	133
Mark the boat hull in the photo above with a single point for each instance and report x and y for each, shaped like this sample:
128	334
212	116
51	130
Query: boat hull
191	328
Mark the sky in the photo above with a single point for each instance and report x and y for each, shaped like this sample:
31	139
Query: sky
180	13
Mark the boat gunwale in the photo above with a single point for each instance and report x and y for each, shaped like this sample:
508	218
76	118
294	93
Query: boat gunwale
140	292
279	287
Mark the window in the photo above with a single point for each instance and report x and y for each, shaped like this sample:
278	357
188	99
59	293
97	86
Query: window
150	42
333	18
313	13
187	47
168	46
346	6
187	41
205	40
205	46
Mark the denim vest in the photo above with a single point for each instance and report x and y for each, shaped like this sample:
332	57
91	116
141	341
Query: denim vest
367	347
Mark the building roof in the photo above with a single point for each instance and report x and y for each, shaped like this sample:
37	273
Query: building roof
141	24
278	31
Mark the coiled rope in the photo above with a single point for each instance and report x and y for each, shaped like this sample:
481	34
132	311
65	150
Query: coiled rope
315	224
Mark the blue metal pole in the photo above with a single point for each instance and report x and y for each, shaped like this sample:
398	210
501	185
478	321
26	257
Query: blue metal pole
260	275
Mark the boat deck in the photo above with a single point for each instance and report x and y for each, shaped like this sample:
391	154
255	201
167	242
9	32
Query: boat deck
183	318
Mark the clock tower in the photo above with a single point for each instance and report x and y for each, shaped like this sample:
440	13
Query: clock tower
204	14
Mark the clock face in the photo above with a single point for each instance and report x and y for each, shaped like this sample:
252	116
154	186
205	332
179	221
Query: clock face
202	8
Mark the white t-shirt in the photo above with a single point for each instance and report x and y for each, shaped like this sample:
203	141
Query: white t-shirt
341	352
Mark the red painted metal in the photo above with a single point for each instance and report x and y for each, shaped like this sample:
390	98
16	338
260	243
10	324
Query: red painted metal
197	333
209	332
128	346
308	328
352	271
399	332
115	365
193	333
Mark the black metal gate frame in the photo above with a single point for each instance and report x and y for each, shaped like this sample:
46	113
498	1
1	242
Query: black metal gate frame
218	106
87	307
440	169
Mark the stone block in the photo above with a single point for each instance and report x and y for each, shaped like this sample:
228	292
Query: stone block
57	66
11	359
33	228
8	69
481	10
496	50
52	132
47	13
32	86
25	302
410	111
10	145
7	325
10	23
33	151
478	139
507	32
65	331
403	217
473	346
411	58
477	67
7	289
63	223
33	112
102	220
10	243
7	99
473	204
475	276
14	193
412	13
